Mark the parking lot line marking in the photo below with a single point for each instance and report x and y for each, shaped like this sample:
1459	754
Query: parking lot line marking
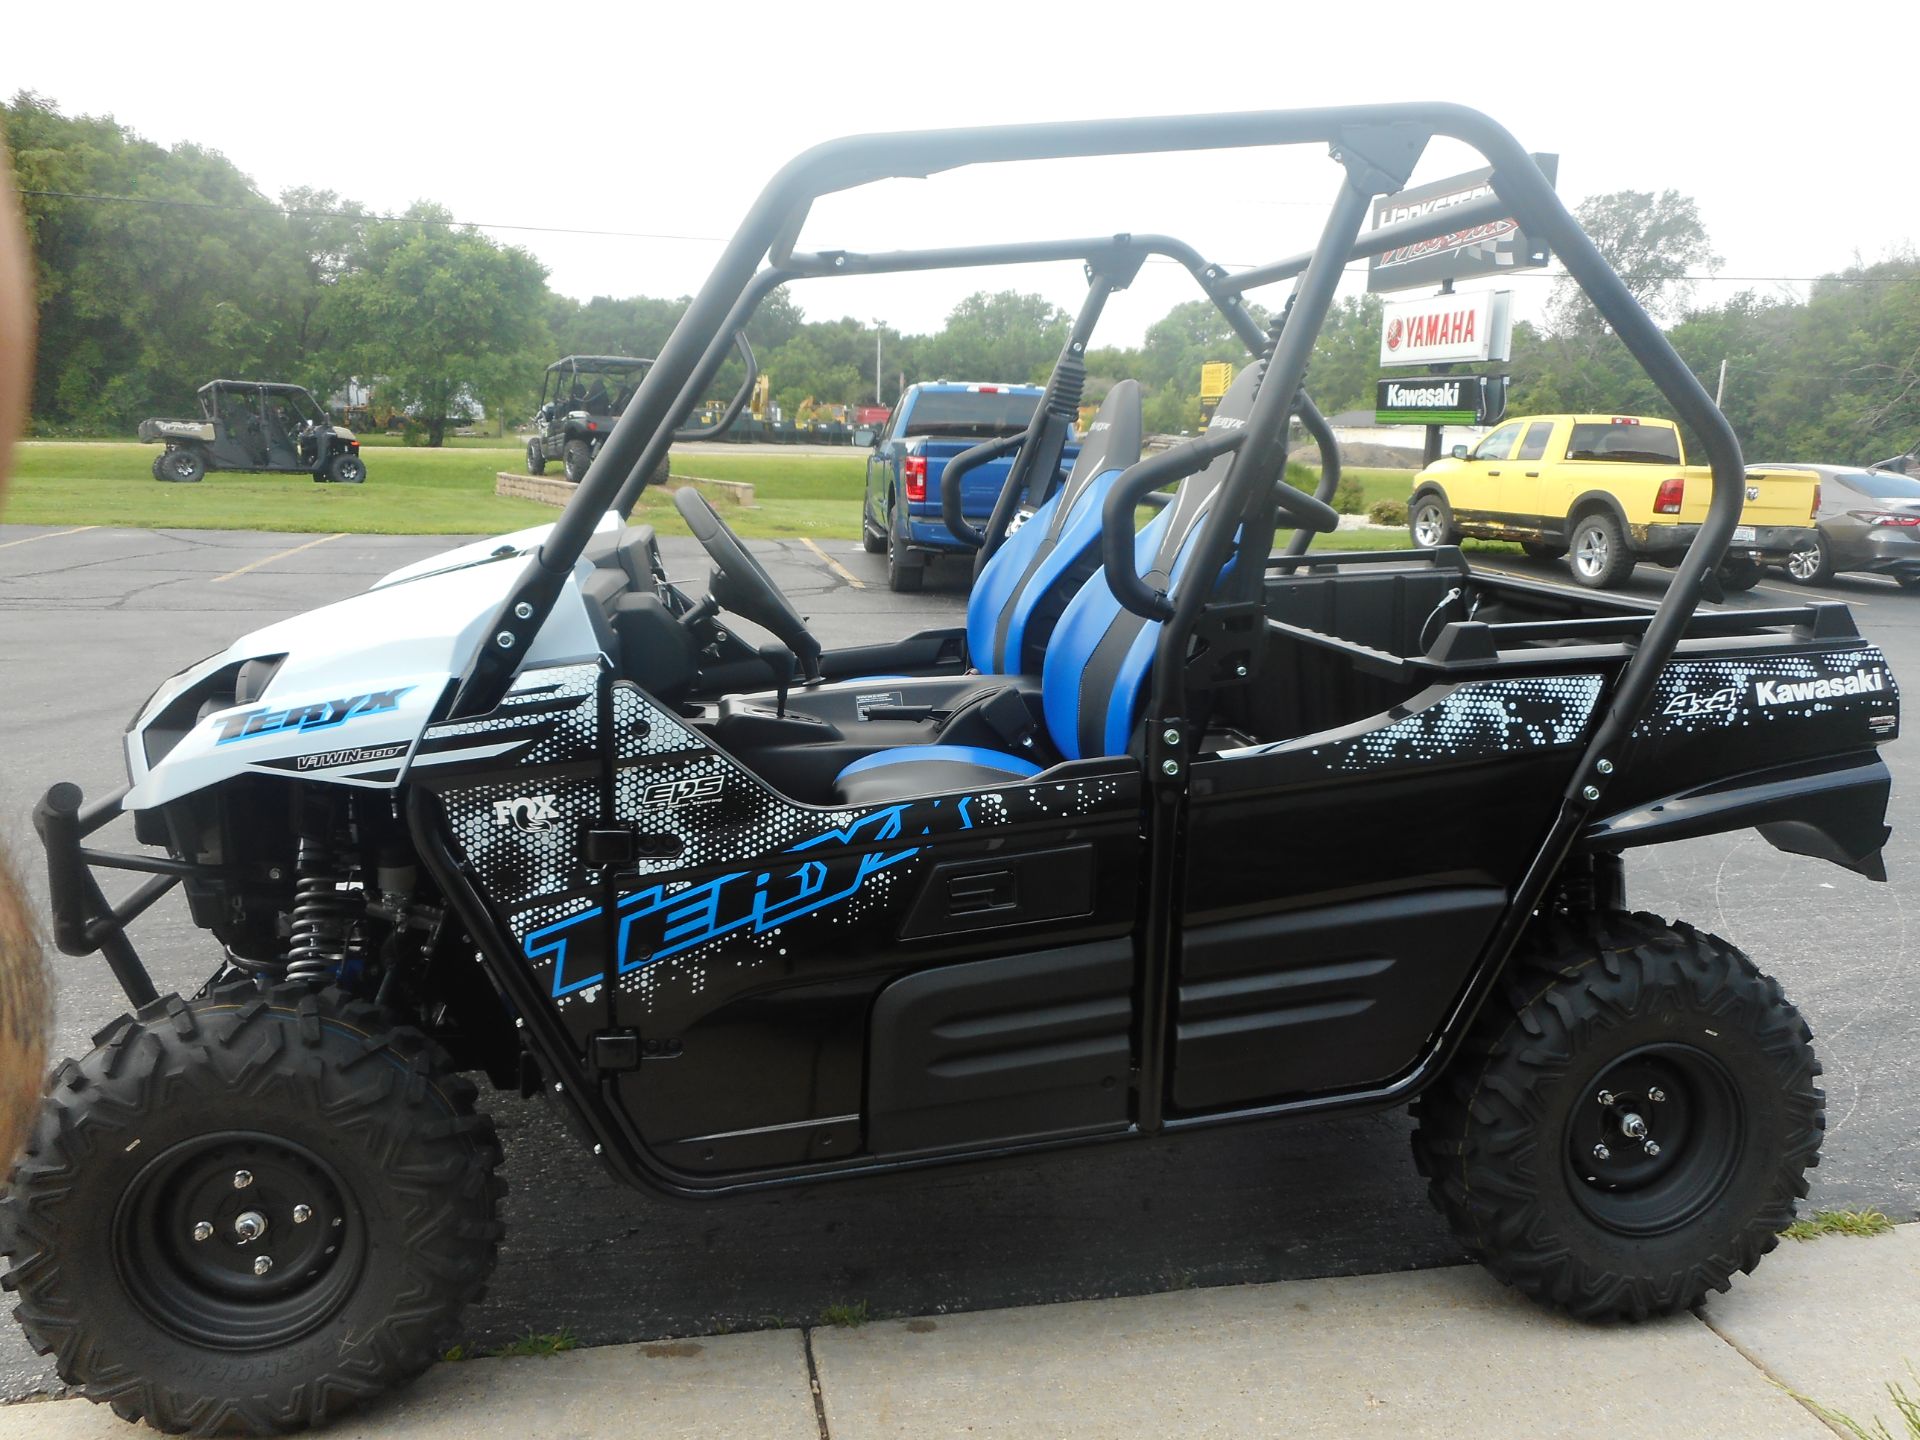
45	535
269	559
834	565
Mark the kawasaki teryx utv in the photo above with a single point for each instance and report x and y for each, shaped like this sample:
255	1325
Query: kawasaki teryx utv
1181	830
258	425
581	399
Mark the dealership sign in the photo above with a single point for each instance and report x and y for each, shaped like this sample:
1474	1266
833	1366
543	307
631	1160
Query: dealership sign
1444	328
1489	247
1440	400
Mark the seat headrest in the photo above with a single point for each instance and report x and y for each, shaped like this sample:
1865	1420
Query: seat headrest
1113	437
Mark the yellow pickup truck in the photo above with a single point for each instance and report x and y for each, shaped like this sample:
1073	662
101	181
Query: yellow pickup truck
1607	491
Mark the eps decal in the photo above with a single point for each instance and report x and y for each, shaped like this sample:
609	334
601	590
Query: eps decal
701	790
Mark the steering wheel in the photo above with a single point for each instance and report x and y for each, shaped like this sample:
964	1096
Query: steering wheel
741	584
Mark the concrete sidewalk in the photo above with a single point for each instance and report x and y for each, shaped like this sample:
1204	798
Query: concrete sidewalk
1439	1353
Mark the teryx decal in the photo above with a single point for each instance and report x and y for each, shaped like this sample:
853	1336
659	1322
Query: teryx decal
322	715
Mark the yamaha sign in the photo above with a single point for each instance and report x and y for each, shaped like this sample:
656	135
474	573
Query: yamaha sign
1440	400
1443	329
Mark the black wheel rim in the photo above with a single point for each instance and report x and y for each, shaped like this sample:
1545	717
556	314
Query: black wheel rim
195	1225
1654	1139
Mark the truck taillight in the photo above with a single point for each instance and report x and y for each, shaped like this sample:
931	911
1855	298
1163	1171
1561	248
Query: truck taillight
1814	513
913	470
1672	492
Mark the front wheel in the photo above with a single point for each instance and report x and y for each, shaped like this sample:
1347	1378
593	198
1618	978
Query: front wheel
1740	573
1430	522
347	470
1629	1122
247	1212
1811	563
536	458
1602	559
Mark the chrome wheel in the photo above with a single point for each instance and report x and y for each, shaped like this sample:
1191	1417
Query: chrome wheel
1591	552
1429	526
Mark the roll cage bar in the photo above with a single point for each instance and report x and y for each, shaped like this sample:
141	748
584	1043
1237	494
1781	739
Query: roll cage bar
1376	147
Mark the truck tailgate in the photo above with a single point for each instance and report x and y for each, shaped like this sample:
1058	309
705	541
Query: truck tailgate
1774	497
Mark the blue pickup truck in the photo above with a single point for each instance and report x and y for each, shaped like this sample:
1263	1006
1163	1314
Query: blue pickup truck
934	422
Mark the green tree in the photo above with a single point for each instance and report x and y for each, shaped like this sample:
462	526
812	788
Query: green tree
1346	357
446	316
1654	243
1004	336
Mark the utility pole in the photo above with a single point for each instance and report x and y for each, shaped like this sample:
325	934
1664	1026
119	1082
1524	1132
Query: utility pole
1721	388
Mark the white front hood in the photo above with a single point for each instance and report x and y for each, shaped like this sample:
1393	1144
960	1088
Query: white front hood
361	677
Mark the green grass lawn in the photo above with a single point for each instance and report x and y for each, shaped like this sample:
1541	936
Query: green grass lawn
412	490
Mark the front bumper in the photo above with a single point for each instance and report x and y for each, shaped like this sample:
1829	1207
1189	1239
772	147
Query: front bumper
1770	542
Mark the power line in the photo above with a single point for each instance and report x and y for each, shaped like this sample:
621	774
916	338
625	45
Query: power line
1352	269
365	215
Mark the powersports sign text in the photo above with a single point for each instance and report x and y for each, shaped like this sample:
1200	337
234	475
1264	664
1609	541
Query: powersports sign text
1488	247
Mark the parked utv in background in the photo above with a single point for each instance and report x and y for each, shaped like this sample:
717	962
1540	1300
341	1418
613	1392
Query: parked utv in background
1188	827
580	399
257	425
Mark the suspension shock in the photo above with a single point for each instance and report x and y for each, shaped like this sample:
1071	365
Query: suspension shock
321	916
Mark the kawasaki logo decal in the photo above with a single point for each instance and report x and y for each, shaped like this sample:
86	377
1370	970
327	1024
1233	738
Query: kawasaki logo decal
1797	692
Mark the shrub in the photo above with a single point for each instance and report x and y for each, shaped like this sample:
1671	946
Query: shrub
1388	512
1350	497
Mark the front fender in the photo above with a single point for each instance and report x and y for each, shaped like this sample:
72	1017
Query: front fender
1833	808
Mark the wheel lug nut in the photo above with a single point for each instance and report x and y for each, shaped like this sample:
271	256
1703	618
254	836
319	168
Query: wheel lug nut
250	1225
1656	1095
302	1214
1605	1097
262	1264
242	1179
202	1230
1652	1147
1600	1152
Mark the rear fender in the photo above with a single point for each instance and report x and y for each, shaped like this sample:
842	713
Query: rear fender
1831	809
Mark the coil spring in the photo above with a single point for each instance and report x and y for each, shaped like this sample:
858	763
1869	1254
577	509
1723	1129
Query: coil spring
320	916
1069	383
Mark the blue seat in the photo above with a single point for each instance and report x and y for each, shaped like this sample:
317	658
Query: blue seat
1093	682
1021	591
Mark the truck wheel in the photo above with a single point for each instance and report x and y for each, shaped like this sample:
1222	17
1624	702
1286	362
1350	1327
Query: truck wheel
1739	574
347	470
536	458
184	466
1602	559
575	459
906	572
1811	563
1629	1121
247	1212
1430	522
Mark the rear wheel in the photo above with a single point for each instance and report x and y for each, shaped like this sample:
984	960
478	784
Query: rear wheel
575	459
183	466
347	470
1629	1122
1739	573
1430	521
536	458
1811	563
247	1212
159	462
1602	559
906	572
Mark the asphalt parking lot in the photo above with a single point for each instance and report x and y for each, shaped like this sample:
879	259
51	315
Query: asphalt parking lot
92	619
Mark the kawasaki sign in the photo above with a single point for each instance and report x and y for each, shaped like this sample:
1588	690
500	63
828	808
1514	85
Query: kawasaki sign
1440	400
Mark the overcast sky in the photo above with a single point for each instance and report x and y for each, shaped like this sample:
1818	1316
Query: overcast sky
1794	133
